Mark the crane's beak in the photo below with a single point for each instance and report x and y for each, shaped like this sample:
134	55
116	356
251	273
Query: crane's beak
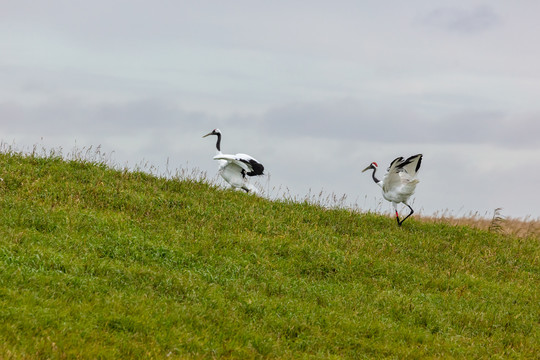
210	133
369	167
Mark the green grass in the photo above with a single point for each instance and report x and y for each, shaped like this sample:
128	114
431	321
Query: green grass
97	262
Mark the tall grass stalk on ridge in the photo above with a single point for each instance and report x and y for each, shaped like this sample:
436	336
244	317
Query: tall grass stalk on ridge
100	262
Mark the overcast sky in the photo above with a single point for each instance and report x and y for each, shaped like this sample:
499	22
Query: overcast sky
315	90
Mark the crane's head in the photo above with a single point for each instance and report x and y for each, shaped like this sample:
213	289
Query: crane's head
373	166
213	132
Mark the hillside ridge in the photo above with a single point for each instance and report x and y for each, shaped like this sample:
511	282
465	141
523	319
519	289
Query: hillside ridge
111	263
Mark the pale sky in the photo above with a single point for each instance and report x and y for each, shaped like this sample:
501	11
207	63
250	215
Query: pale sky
315	90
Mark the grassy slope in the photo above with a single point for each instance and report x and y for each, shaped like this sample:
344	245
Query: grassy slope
96	262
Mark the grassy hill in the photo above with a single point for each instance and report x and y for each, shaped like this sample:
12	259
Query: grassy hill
104	263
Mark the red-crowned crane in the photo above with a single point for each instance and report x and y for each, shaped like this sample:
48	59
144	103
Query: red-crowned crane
399	182
234	168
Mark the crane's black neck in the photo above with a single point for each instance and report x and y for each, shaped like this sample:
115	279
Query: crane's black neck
373	175
218	142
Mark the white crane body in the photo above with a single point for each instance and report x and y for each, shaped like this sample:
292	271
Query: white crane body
234	169
399	182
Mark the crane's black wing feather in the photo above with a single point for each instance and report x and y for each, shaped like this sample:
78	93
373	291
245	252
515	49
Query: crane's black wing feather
257	167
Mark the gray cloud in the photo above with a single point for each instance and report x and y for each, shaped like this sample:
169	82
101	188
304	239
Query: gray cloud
373	122
72	118
463	21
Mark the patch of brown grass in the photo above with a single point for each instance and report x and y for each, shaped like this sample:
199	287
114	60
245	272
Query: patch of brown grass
521	227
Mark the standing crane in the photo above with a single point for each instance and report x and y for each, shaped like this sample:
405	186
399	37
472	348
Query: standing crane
234	168
399	182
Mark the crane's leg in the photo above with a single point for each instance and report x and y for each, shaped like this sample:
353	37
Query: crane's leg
412	212
397	214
